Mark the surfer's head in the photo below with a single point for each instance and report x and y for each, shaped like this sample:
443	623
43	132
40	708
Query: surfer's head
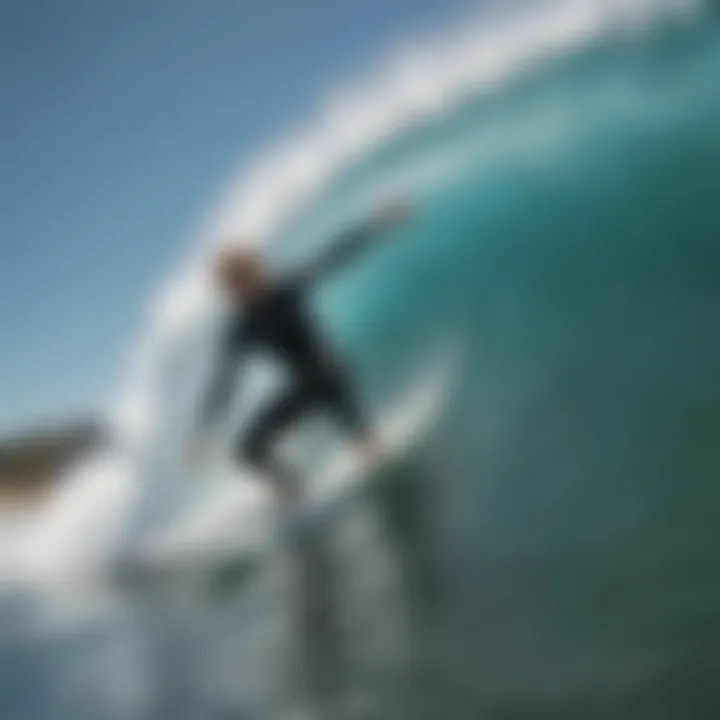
239	272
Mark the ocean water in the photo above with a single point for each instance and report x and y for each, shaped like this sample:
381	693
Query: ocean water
550	549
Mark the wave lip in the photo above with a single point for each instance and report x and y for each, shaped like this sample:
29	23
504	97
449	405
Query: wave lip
419	81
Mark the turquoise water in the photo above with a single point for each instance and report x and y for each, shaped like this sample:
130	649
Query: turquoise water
550	551
573	244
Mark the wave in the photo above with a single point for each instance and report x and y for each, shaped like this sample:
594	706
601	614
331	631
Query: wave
100	504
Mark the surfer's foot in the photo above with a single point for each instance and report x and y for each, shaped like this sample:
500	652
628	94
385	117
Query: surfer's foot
372	449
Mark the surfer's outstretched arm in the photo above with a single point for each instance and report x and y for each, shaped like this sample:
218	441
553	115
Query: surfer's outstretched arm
351	243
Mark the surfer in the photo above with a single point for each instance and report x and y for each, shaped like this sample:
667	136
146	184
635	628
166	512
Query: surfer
272	315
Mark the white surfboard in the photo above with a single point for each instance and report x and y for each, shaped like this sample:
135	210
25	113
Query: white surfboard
239	527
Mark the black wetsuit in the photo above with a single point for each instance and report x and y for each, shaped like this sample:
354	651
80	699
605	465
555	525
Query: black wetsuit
279	322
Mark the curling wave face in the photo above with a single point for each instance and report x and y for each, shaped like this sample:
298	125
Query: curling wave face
499	136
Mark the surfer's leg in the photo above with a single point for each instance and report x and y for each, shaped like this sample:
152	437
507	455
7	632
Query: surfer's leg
344	405
257	446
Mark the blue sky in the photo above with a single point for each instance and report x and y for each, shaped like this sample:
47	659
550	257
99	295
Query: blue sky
120	121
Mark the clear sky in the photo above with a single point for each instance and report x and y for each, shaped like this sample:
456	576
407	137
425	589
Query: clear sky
120	121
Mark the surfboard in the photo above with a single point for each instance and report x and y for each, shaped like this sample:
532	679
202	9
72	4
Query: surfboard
345	475
231	537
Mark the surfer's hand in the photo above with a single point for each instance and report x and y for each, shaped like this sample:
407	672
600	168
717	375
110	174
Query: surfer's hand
392	214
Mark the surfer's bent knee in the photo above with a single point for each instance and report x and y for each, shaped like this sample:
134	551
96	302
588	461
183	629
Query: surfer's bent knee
253	448
348	411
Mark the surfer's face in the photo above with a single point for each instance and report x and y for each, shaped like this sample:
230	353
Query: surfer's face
240	274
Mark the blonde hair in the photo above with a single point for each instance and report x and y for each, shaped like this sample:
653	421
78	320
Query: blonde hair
234	257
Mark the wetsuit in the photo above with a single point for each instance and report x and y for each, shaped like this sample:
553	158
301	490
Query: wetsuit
279	322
